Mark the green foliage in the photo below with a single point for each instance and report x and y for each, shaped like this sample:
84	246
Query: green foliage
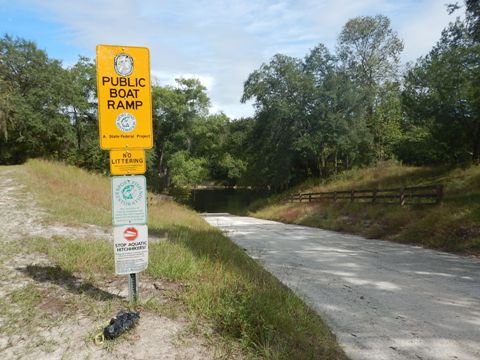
32	104
278	88
229	169
370	50
83	113
385	122
191	145
186	171
315	116
441	95
418	146
46	110
328	112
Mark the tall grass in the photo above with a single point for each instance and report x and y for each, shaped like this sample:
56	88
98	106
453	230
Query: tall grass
451	226
220	282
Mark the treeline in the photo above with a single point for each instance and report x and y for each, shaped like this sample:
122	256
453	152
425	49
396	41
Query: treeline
50	111
330	111
314	116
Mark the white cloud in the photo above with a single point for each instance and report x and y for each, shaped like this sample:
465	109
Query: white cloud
222	42
423	29
163	78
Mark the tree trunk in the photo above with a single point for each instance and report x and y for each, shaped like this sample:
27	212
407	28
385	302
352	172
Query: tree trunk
324	165
78	130
319	166
335	165
160	164
476	145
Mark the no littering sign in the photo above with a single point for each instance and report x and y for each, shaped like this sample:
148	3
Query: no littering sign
131	248
127	162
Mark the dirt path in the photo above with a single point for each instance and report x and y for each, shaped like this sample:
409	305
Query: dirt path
382	300
24	218
49	314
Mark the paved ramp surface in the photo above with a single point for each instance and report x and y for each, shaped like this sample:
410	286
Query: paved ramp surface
382	300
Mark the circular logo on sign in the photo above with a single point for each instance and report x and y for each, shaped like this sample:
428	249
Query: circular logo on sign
130	234
126	122
129	193
123	64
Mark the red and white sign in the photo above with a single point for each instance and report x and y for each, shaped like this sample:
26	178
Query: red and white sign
130	233
131	248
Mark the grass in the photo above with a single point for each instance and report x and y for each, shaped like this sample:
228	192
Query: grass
56	295
452	226
215	280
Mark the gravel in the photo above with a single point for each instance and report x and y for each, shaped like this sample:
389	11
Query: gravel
383	300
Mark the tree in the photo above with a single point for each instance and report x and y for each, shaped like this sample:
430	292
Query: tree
83	97
370	52
309	119
6	109
336	125
33	98
174	110
473	19
442	94
279	91
210	138
185	172
82	110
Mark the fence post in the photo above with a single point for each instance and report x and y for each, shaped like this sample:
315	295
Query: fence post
300	198
374	197
310	197
402	196
352	195
335	196
439	194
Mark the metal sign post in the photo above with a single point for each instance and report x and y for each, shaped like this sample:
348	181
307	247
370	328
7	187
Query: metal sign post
126	129
133	287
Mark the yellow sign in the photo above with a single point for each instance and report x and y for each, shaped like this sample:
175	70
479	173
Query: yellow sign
124	97
127	162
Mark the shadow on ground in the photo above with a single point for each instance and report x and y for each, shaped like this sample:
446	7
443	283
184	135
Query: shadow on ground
61	277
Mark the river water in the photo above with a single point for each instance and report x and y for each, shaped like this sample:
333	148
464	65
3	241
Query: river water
233	201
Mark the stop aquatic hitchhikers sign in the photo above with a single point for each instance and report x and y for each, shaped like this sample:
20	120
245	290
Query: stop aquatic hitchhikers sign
131	248
124	97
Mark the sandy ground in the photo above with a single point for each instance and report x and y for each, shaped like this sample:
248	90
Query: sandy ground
60	327
383	300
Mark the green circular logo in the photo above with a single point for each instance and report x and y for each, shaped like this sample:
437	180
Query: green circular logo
129	192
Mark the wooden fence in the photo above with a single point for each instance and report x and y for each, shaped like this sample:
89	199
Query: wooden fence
402	196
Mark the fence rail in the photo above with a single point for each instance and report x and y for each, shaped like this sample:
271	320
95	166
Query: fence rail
432	194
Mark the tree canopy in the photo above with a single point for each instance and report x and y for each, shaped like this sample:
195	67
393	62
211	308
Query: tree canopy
314	116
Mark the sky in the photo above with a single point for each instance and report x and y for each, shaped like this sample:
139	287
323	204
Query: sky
218	42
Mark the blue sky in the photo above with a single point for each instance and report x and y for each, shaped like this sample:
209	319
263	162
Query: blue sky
219	42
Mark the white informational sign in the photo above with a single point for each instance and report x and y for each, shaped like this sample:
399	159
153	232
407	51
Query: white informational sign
129	200
131	248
